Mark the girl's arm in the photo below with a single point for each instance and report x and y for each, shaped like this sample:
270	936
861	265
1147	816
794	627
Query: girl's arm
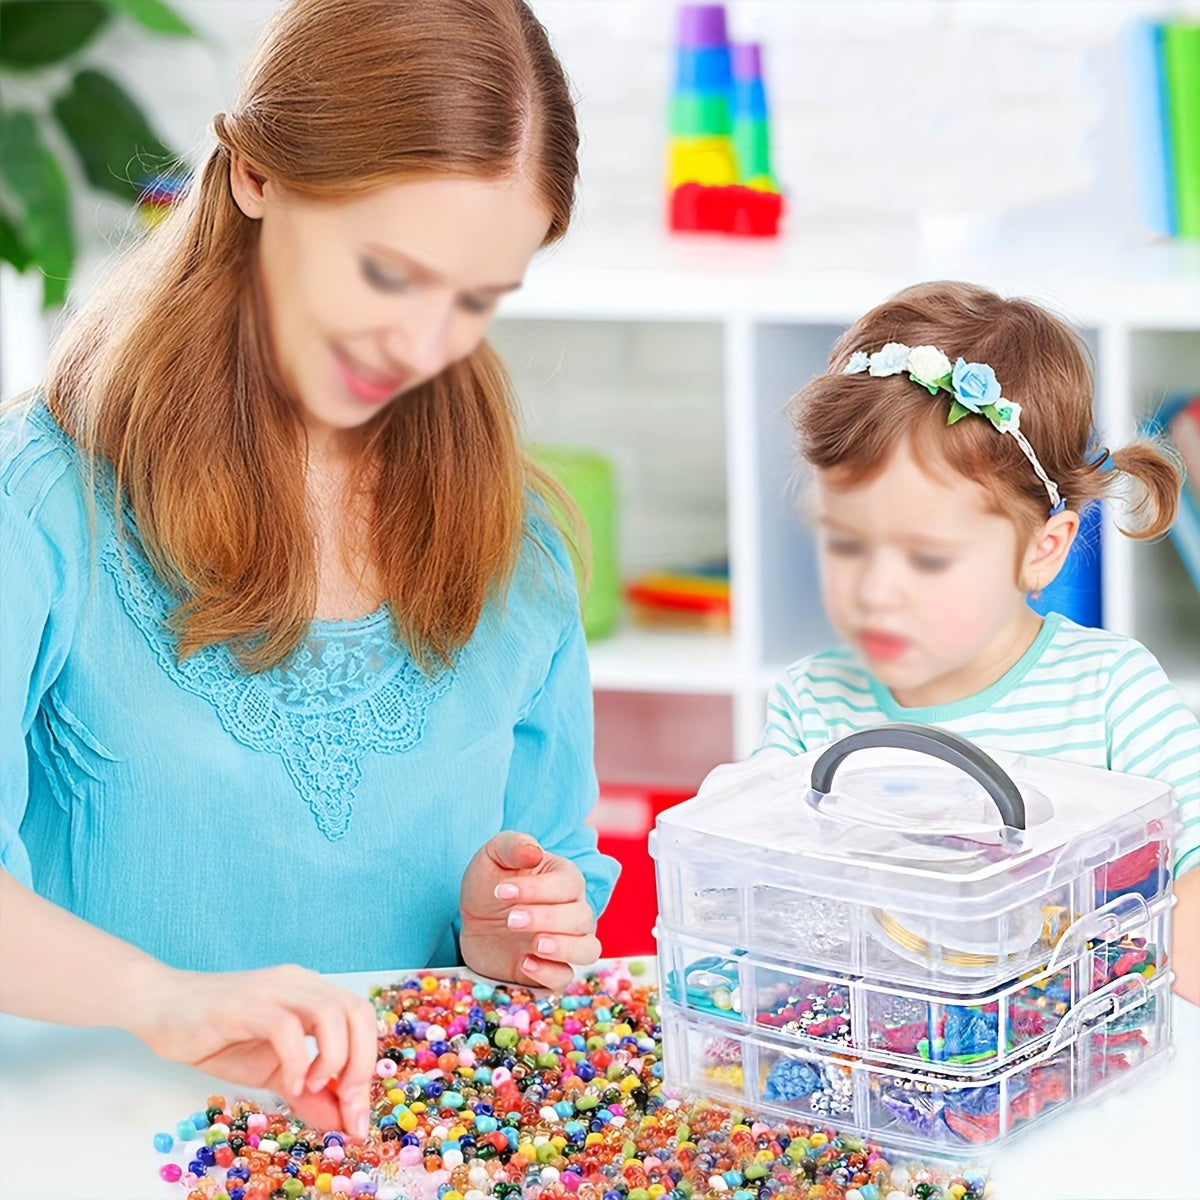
247	1027
1185	936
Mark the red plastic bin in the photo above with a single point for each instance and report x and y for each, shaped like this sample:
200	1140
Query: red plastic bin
623	818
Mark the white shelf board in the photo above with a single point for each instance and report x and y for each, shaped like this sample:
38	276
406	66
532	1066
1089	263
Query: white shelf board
629	267
639	660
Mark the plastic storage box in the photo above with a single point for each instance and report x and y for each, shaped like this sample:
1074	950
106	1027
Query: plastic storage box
922	920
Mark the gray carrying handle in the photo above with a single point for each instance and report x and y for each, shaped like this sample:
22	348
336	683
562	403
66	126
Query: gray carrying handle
937	743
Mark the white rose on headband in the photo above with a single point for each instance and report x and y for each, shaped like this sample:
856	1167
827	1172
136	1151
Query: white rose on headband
890	360
929	367
860	360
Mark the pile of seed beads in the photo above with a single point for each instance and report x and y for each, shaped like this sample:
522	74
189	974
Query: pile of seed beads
489	1091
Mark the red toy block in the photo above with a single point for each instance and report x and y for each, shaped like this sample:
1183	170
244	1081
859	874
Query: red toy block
742	211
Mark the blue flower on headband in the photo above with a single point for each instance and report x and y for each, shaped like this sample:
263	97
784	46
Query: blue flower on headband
975	387
891	360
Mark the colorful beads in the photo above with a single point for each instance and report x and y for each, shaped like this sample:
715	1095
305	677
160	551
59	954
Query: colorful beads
483	1091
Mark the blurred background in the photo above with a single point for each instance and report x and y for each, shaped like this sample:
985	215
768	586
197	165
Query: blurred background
1044	147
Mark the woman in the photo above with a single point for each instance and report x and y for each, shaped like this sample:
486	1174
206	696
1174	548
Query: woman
294	670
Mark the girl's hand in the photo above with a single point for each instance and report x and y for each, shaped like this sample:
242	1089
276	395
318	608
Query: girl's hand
250	1028
524	914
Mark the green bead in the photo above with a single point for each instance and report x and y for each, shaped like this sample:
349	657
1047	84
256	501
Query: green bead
213	1136
629	1150
506	1037
547	1152
293	1187
585	1103
286	1140
755	1171
683	1132
547	1060
639	1194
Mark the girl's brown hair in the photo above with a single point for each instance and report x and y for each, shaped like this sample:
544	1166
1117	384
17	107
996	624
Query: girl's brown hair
849	425
168	372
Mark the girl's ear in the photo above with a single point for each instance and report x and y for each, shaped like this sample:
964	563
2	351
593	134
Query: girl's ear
1047	551
247	182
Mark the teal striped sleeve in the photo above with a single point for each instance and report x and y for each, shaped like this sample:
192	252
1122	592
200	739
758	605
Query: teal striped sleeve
783	730
1152	732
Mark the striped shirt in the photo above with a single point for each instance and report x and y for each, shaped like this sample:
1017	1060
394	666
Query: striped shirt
1085	695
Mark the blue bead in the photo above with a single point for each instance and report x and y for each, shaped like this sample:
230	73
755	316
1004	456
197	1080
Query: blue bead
199	1119
197	1167
185	1131
206	1155
163	1142
235	1193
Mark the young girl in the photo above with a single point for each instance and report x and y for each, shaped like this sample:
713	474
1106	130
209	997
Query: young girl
952	448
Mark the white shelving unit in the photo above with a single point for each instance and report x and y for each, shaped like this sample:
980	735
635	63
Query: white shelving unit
676	355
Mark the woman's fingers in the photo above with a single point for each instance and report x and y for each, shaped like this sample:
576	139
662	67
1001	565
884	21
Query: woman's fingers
322	1110
552	975
573	918
353	1091
553	887
580	950
327	1023
286	1035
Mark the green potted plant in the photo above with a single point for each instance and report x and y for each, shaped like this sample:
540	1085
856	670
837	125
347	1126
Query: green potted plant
65	103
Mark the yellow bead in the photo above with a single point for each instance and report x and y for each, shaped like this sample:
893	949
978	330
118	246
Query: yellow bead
453	1195
396	1096
407	1121
457	1131
417	1106
656	1190
325	1182
592	1139
817	1139
429	983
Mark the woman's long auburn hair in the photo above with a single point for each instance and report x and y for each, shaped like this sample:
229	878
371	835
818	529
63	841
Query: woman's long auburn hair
168	373
849	425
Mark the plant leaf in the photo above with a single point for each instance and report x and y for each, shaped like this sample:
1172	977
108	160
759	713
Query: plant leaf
957	412
114	141
12	246
35	180
37	32
154	15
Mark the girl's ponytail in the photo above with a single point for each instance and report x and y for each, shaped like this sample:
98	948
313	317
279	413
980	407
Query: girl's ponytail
1157	481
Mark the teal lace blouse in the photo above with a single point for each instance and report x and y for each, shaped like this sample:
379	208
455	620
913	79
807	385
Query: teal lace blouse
322	812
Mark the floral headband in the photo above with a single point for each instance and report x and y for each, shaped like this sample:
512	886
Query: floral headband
973	385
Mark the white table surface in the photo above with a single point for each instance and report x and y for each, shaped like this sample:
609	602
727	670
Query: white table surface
79	1109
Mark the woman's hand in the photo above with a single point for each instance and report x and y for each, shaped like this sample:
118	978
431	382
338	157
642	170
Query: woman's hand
524	914
250	1027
